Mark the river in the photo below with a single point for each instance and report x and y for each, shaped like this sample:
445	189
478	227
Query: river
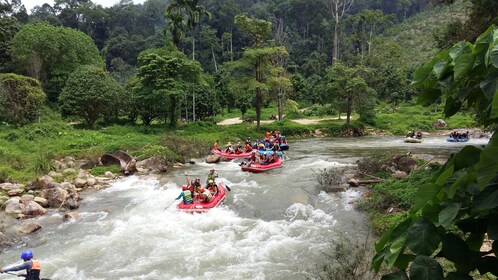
274	225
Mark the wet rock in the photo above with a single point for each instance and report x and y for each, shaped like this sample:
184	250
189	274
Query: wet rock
213	158
55	196
406	164
27	197
153	164
13	206
32	209
71	216
66	185
126	162
72	202
109	175
353	182
91	181
28	227
191	161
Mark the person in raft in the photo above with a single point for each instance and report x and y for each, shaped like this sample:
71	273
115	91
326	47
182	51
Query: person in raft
205	196
186	194
212	187
31	265
228	148
212	175
215	146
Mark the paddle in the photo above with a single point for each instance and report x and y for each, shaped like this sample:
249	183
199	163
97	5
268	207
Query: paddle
23	275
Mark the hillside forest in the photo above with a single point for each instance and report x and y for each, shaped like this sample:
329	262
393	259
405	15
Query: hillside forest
162	61
122	75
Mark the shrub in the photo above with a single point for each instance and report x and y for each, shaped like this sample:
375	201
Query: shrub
41	163
101	170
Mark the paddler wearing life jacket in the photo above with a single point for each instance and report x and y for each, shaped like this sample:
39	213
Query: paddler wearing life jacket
205	196
215	146
186	194
228	148
212	187
212	175
32	266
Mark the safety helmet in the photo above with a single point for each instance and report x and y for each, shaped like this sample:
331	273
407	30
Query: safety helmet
27	255
201	189
212	170
229	144
184	187
210	181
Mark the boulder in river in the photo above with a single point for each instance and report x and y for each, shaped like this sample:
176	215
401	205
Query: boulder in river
28	227
126	162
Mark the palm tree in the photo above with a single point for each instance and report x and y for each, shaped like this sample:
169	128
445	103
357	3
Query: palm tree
176	27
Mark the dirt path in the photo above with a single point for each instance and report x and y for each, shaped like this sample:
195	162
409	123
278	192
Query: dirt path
300	121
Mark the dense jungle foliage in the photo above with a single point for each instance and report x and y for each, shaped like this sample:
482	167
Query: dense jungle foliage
128	69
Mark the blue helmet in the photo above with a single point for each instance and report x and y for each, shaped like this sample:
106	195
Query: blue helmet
27	255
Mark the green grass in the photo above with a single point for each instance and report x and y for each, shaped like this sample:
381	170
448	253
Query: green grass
408	118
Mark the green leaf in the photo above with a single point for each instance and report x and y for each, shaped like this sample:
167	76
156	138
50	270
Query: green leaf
392	234
463	64
456	251
452	106
488	198
493	56
459	49
423	237
425	193
458	276
425	268
403	261
467	157
459	180
487	167
494	106
431	212
397	247
378	259
489	85
474	241
493	227
428	96
399	275
440	68
447	173
449	213
422	73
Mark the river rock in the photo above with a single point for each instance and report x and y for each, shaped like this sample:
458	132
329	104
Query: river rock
13	206
79	182
69	171
90	181
27	197
353	182
54	174
400	174
31	209
406	164
154	164
109	175
71	216
42	201
55	196
72	202
28	227
439	124
82	174
16	192
213	158
67	185
9	186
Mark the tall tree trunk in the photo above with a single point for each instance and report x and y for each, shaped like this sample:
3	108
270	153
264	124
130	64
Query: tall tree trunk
193	47
259	101
231	46
281	98
214	60
336	42
193	106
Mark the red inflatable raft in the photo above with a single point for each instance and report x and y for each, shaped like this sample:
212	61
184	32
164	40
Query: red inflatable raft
232	155
258	168
200	207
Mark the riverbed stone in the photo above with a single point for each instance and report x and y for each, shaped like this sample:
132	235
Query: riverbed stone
31	209
71	216
42	201
82	174
54	174
109	175
91	181
400	174
55	196
28	227
16	192
79	182
13	206
67	185
406	164
69	171
9	186
27	197
213	158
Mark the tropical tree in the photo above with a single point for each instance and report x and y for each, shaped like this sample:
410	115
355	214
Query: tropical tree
458	210
50	54
90	93
255	69
347	87
21	99
337	10
167	73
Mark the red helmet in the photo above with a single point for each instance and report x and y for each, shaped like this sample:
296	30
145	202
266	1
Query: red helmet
201	189
184	187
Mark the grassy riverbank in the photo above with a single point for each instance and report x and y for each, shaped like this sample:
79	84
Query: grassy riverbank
26	152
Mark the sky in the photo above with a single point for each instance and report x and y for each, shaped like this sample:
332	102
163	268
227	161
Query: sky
29	4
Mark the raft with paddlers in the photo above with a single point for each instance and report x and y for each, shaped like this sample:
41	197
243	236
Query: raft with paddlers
269	152
451	139
258	167
412	140
199	207
231	155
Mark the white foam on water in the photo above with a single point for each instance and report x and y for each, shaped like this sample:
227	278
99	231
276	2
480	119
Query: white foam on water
147	241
